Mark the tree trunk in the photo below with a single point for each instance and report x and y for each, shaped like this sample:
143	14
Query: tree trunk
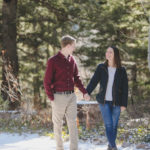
36	82
10	58
149	47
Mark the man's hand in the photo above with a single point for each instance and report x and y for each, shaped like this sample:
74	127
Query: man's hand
86	97
123	108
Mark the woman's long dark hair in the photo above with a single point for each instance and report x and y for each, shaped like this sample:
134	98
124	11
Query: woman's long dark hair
117	59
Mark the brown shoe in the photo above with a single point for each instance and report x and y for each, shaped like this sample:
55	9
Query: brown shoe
114	148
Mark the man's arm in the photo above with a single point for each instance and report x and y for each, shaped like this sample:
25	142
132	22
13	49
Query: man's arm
77	80
48	80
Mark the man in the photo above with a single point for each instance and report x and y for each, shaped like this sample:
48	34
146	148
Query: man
60	78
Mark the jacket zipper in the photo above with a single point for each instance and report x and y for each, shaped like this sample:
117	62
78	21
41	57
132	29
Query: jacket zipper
114	100
106	85
113	94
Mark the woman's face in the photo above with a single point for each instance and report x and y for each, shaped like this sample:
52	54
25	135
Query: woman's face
109	54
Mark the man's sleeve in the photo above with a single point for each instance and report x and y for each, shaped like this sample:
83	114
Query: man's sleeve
77	80
48	80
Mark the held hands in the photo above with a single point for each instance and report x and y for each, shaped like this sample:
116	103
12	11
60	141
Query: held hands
123	108
86	97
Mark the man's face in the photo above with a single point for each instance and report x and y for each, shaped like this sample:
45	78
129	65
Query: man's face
71	48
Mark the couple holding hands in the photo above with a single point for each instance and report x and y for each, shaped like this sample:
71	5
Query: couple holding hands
62	75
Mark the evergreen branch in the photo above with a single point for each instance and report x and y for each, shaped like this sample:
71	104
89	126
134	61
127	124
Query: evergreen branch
22	50
132	38
60	13
145	12
37	20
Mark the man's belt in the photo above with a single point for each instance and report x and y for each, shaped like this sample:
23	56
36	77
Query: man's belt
64	92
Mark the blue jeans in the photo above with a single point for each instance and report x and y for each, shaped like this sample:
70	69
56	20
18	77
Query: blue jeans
110	115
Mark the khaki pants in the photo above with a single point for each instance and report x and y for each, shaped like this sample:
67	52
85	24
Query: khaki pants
65	104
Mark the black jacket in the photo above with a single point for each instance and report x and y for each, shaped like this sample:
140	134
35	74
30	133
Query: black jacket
120	85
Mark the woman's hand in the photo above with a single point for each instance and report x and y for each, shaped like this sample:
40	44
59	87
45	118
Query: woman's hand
86	97
123	108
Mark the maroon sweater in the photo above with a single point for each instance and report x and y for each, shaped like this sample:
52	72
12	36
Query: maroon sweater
61	75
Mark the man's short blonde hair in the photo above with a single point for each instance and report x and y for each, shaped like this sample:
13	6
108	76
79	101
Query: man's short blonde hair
67	39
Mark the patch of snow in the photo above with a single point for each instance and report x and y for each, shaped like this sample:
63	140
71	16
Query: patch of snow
28	141
9	111
82	102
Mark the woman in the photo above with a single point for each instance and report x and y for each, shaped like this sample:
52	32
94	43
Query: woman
113	93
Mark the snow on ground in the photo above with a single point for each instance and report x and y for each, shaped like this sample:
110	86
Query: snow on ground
82	102
28	141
